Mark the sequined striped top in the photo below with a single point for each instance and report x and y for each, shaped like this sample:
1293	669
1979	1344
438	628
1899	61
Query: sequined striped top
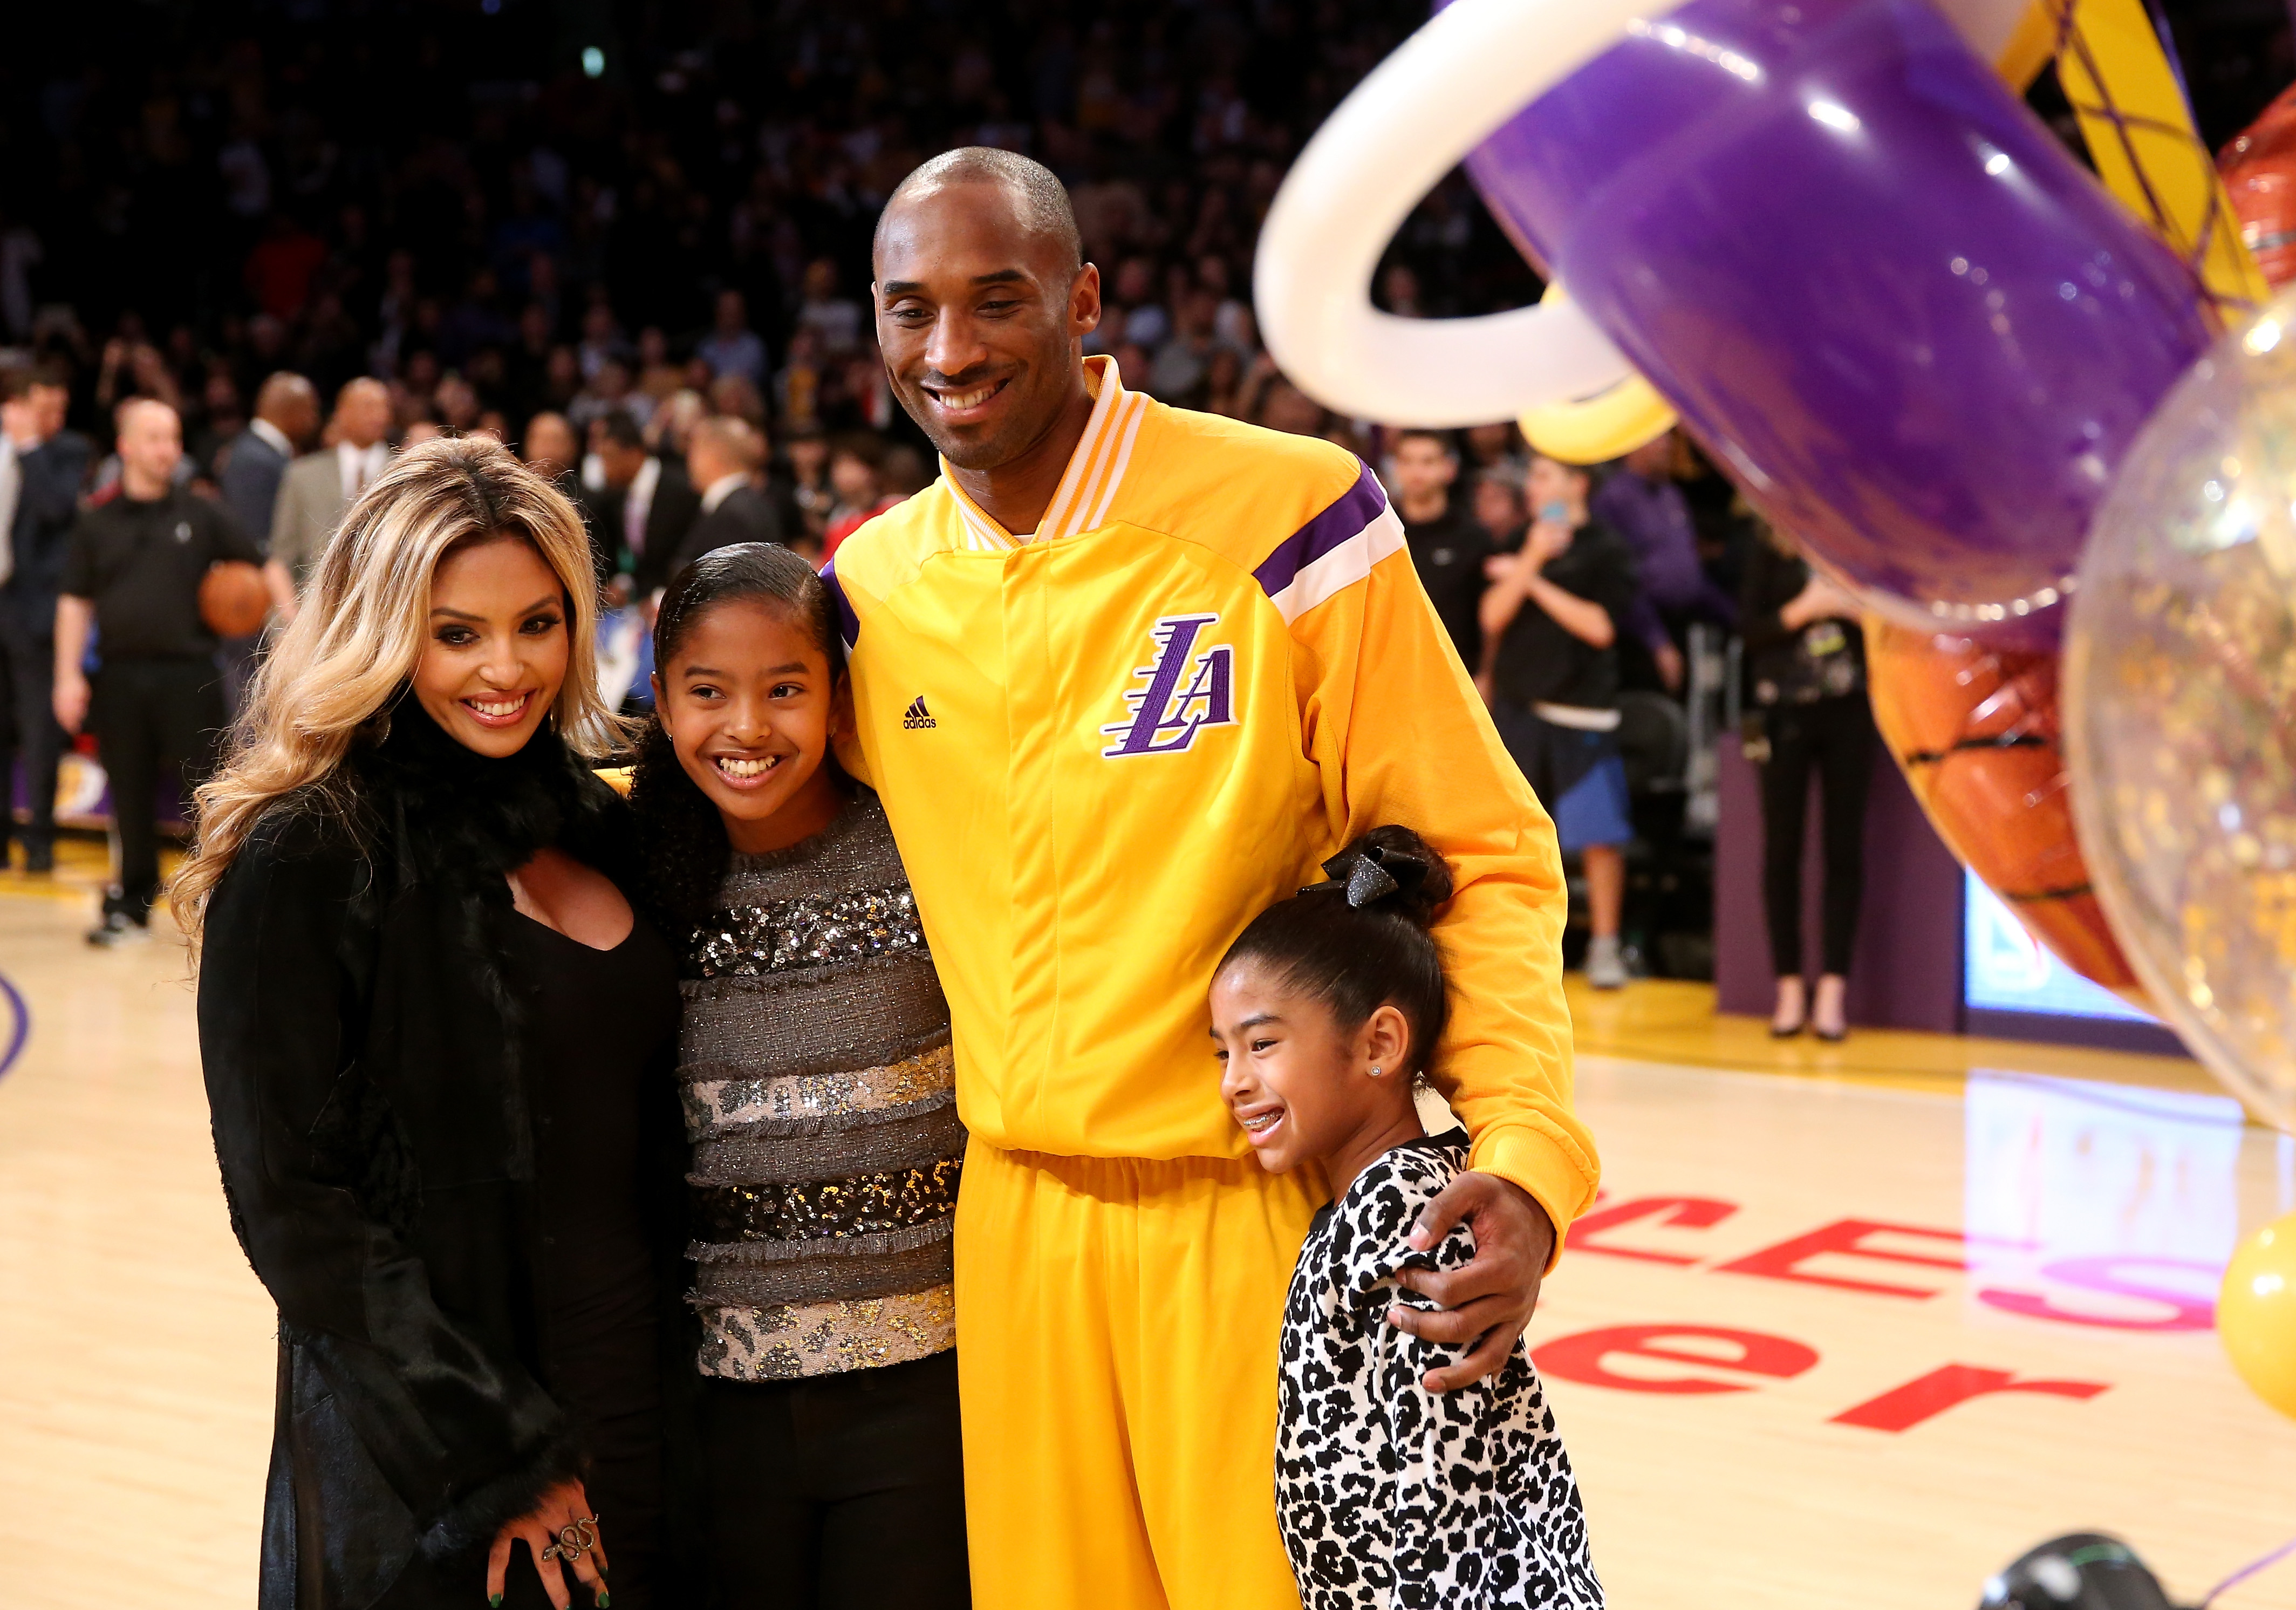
814	1060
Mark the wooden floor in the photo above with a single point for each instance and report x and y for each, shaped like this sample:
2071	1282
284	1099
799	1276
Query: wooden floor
1768	1351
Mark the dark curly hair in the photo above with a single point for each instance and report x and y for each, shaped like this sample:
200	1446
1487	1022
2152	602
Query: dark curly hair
681	837
1360	942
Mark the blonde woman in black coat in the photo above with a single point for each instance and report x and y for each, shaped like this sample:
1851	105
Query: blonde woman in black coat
438	1044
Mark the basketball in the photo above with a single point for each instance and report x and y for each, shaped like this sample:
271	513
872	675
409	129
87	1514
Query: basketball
1974	728
233	600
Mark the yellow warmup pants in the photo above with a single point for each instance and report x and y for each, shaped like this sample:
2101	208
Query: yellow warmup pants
1117	1326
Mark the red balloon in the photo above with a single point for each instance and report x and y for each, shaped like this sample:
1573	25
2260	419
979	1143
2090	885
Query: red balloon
1974	728
2259	173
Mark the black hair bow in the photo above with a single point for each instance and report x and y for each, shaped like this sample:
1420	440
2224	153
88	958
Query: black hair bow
1371	875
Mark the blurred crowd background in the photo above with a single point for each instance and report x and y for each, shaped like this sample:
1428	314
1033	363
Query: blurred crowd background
631	239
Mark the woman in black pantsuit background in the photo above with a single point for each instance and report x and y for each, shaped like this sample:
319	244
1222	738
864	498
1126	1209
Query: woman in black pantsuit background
1806	676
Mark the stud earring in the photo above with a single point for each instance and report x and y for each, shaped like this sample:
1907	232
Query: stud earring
1374	1073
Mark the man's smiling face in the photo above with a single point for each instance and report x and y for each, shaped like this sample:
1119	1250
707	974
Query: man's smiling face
979	315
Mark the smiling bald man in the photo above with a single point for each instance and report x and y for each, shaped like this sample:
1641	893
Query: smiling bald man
1125	675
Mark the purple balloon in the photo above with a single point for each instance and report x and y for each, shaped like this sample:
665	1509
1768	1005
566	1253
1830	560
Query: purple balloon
1872	282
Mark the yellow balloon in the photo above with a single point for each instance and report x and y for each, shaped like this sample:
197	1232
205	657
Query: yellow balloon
2256	1313
1593	429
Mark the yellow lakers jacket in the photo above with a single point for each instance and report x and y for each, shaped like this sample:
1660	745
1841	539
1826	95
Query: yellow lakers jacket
1105	747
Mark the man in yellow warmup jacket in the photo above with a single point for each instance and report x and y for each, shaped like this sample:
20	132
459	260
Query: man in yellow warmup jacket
1124	676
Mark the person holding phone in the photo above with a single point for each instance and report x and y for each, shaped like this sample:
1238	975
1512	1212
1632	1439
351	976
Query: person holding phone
1550	624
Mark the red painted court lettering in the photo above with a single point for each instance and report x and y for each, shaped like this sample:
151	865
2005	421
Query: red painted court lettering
1846	1237
1584	1356
1902	1407
1684	1212
2186	1311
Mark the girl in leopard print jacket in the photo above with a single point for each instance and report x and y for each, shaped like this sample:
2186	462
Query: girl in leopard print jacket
1324	1012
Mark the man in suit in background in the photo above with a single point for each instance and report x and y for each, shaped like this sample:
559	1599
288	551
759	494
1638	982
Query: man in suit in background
722	458
286	416
318	489
42	468
550	450
645	510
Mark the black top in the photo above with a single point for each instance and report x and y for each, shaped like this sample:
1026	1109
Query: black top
1541	663
599	1036
374	1106
1448	553
744	516
1825	660
142	564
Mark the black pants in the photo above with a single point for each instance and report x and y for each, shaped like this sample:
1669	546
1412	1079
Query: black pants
36	741
1833	738
150	714
837	1493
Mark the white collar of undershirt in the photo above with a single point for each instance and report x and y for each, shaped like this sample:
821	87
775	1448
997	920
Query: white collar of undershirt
720	489
648	478
271	435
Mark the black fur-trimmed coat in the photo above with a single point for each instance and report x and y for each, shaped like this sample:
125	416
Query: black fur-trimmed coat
360	1048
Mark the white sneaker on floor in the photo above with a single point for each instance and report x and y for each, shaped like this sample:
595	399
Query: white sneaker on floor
1606	968
118	928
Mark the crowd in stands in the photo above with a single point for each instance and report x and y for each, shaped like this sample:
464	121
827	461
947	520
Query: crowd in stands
497	221
641	259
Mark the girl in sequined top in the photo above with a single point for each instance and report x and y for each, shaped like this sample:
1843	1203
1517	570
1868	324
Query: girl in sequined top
820	1102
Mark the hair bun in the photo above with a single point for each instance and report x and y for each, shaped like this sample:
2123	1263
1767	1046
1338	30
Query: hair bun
1391	868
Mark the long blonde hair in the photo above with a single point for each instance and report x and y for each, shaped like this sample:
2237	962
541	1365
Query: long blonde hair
363	626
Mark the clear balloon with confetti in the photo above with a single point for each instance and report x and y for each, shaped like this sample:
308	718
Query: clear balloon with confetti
2180	680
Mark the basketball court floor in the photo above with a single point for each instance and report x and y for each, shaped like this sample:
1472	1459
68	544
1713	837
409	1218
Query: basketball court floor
1850	1325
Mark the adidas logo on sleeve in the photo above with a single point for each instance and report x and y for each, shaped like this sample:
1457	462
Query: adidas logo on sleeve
917	716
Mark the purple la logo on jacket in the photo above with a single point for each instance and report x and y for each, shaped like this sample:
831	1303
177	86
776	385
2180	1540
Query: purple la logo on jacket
1166	715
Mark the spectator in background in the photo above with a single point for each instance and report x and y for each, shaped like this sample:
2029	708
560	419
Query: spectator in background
132	573
672	424
796	389
836	319
732	349
853	464
1806	671
551	448
808	453
608	392
1144	320
656	377
1496	449
1550	623
1447	547
1499	511
318	488
1184	359
286	417
732	394
1641	501
646	508
552	451
1284	406
41	469
720	459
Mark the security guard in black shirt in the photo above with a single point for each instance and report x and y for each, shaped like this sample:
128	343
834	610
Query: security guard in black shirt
134	572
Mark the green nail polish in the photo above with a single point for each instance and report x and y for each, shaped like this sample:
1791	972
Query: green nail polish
495	1599
605	1601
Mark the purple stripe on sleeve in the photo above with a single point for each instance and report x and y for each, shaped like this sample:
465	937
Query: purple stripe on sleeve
1357	509
848	624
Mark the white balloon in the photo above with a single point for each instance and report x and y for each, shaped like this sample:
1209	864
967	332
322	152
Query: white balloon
1475	64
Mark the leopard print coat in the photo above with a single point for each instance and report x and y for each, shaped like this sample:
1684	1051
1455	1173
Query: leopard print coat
1390	1495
